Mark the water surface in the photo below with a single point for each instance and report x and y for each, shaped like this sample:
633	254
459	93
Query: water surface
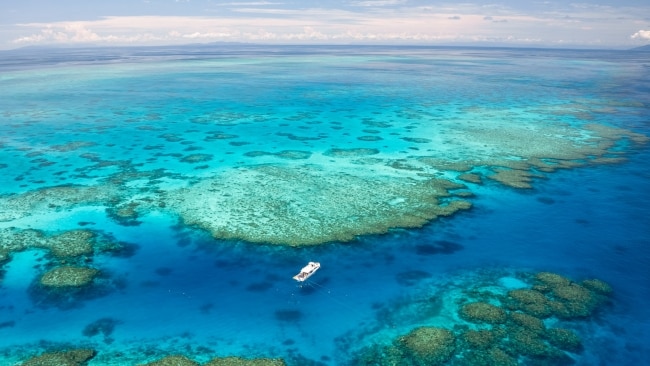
196	182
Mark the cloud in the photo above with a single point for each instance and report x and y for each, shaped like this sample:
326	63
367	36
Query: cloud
489	18
250	3
378	3
260	20
642	34
71	33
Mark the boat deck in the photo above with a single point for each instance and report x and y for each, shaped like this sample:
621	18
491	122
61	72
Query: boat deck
307	271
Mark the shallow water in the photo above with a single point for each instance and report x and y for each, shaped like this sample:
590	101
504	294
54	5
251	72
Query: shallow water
168	153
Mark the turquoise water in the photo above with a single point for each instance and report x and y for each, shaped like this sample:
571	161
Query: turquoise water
208	177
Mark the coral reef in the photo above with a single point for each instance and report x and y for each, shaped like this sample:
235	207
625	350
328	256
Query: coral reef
490	357
196	158
305	206
239	361
293	154
68	279
481	312
174	360
428	345
179	360
512	177
68	276
72	146
421	346
369	138
377	355
479	339
497	325
564	339
69	292
417	140
76	357
284	154
568	299
526	343
125	213
598	286
510	144
296	199
349	153
16	240
4	256
550	280
528	322
72	243
471	178
403	181
529	301
49	199
64	246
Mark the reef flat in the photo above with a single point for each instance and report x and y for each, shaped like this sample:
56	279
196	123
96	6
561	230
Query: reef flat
340	193
304	205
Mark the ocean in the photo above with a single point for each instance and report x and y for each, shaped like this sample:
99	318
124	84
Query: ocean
468	206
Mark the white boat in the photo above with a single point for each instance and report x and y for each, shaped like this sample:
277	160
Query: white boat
307	271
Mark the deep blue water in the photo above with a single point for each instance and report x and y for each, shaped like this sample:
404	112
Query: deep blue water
86	118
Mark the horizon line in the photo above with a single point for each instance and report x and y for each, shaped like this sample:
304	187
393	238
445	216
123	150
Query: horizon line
421	45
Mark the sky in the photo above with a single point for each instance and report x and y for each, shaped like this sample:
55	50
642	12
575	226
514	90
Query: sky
518	23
